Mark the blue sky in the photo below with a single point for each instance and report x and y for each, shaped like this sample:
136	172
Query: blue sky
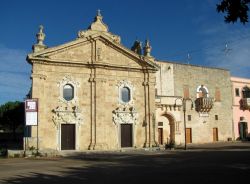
175	29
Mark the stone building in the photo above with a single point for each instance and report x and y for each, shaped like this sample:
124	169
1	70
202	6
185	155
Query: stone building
241	107
203	93
94	93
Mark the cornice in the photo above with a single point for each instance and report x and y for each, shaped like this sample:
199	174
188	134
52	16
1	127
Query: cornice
47	61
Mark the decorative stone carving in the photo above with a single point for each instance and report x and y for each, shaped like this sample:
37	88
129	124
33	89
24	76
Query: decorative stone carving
97	27
40	38
40	76
128	84
125	112
98	24
125	115
68	80
147	49
64	114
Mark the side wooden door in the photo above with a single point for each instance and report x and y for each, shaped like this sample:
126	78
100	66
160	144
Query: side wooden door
188	135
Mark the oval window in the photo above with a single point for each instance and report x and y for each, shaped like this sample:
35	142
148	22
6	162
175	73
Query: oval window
68	92
125	94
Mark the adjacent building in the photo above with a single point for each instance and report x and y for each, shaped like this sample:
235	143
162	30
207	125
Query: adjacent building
204	94
241	107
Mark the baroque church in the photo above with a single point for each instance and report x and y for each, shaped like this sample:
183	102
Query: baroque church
96	94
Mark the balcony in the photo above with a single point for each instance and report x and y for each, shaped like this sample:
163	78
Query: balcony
245	103
203	104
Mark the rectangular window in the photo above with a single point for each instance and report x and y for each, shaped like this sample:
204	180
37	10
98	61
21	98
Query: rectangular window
160	123
216	117
237	92
189	117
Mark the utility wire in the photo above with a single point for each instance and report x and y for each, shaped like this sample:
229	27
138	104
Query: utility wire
225	46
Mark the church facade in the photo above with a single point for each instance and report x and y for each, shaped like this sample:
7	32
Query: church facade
96	94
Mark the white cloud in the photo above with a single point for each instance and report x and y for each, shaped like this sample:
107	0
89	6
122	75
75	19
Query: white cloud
14	74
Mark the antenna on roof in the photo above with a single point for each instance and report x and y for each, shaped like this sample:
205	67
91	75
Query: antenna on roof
227	50
188	58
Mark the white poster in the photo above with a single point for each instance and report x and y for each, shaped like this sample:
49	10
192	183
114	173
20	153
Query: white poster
31	118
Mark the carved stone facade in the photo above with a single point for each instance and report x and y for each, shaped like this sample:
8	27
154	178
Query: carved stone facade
93	93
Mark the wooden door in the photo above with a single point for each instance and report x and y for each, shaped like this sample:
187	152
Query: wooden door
67	137
160	136
188	135
126	135
215	134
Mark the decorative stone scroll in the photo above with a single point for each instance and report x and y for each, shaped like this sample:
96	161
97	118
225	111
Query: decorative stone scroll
66	115
125	115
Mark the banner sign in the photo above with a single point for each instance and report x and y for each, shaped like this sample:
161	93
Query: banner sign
31	112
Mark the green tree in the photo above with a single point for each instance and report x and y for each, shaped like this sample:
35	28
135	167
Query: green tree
12	116
235	9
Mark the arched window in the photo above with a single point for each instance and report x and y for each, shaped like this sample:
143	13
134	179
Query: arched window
68	92
202	92
246	92
125	94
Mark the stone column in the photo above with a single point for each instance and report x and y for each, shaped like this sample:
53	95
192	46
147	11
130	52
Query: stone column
92	112
146	120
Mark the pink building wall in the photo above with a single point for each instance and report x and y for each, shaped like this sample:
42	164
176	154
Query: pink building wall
239	83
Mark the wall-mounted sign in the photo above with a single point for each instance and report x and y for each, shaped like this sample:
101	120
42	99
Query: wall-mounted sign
31	112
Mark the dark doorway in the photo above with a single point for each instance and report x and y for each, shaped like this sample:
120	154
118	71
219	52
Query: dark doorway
243	130
160	136
126	135
215	134
67	136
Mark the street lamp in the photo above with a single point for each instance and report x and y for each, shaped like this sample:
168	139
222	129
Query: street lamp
183	100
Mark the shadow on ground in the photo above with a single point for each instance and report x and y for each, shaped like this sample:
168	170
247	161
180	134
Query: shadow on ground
168	167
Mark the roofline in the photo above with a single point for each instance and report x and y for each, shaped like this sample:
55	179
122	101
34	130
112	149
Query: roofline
99	36
178	63
236	79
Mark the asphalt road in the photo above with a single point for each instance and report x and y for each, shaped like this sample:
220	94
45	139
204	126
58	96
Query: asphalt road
207	164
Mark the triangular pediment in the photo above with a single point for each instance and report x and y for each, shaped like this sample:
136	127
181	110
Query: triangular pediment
97	49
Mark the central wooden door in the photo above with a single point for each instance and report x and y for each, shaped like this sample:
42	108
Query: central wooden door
215	134
67	137
126	135
188	135
160	136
